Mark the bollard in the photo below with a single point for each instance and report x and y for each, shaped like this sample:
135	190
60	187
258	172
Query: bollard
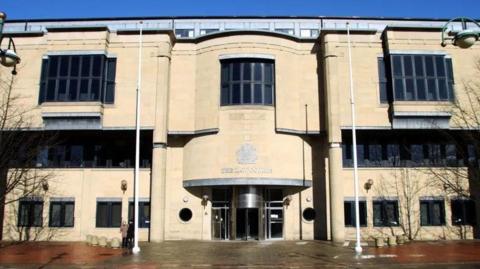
102	241
88	239
400	239
379	242
94	240
392	241
115	243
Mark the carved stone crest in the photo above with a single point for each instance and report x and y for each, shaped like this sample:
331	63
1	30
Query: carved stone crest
247	154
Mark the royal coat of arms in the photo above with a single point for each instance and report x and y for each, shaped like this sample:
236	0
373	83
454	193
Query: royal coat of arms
247	154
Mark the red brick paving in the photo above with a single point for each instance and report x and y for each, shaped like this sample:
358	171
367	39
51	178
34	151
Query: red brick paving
432	252
74	253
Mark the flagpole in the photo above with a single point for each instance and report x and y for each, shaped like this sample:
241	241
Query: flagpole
358	247
136	248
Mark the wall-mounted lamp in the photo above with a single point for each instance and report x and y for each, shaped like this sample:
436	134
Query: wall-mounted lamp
464	38
8	56
287	200
368	184
205	200
123	185
45	186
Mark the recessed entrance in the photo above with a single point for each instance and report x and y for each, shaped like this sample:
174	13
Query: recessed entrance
247	223
247	213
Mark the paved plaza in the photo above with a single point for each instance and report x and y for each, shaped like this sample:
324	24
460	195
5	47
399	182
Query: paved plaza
262	254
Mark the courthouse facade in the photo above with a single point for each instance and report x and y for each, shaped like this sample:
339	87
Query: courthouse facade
245	128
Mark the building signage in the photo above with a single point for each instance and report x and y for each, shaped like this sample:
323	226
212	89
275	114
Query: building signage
246	170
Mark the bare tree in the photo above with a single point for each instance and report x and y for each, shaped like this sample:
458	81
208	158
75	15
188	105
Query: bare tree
20	145
406	185
463	180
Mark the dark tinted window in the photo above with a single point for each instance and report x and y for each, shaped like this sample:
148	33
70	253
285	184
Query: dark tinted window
385	213
247	82
143	213
432	212
30	213
109	214
422	77
72	78
349	211
463	212
61	214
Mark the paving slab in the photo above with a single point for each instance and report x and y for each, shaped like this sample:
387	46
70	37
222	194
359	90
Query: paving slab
241	254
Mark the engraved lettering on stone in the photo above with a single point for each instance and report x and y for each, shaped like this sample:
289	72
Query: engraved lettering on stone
247	154
246	170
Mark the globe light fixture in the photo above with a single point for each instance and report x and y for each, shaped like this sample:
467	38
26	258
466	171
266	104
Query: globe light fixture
464	38
8	56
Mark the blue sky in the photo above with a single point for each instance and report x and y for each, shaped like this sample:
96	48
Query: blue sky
38	9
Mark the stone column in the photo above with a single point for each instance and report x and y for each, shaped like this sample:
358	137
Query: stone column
157	194
159	154
333	83
336	193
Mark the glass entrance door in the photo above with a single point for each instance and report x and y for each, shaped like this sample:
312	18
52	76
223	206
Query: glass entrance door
247	223
274	214
274	222
221	214
220	221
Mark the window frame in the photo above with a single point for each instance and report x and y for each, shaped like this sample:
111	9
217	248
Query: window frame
104	80
63	205
142	221
430	205
385	221
228	82
109	215
414	77
31	216
363	216
465	219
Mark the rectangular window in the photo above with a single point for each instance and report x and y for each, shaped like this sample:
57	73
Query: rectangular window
349	211
109	214
208	31
184	32
143	213
421	77
75	78
432	212
288	31
247	82
309	32
405	149
385	213
30	213
382	76
463	212
61	214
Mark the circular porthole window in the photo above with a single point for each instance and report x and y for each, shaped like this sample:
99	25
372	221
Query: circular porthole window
309	214
185	214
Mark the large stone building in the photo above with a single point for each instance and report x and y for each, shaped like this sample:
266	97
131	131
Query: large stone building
245	127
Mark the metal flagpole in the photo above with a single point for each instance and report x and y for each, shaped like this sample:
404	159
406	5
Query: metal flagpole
358	247
136	248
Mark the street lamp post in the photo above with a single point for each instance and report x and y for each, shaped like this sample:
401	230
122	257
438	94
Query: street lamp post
464	38
8	56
